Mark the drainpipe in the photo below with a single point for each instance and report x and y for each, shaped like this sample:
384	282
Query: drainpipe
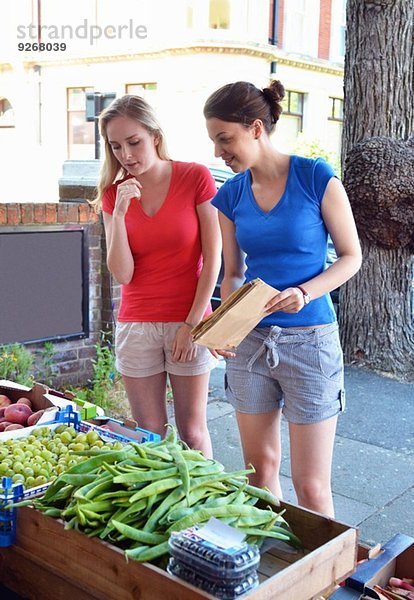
38	70
275	25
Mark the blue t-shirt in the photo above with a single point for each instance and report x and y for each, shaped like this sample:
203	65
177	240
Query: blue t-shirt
287	245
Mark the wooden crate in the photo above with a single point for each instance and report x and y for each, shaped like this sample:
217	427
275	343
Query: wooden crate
49	563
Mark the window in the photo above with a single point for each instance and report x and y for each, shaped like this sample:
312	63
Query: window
301	26
145	90
335	124
293	107
338	30
189	15
6	113
337	109
219	14
290	123
81	133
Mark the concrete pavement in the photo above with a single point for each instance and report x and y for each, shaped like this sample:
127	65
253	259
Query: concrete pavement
373	467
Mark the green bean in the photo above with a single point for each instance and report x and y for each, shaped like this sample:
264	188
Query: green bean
172	436
56	486
53	512
182	467
75	479
62	494
208	479
252	516
163	508
182	508
136	552
139	535
85	489
71	524
155	488
139	449
195	455
150	462
161	455
117	494
261	493
99	489
149	553
91	464
142	476
200	469
280	534
81	517
98	506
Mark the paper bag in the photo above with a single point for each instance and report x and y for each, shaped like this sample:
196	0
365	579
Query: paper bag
229	324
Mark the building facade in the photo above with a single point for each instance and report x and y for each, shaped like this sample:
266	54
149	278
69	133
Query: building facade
174	54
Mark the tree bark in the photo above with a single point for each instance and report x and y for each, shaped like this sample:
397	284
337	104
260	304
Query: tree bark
376	306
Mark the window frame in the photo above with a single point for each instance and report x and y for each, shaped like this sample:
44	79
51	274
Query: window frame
85	90
3	101
292	113
333	100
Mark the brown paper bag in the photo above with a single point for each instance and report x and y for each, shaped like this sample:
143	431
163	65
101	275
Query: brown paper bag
229	324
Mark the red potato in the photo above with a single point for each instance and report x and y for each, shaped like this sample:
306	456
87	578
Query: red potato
24	400
34	417
3	425
14	426
2	409
18	413
4	400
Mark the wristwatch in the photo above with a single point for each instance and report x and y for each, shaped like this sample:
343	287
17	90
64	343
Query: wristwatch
306	297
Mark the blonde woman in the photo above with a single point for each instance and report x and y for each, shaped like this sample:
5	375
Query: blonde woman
163	247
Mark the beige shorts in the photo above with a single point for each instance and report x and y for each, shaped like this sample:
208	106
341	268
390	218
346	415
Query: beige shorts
144	349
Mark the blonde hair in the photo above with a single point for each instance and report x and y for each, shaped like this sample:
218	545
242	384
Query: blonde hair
135	108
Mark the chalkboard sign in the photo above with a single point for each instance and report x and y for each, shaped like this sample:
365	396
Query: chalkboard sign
44	283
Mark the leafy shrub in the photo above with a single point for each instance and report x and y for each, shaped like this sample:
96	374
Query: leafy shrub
16	363
313	148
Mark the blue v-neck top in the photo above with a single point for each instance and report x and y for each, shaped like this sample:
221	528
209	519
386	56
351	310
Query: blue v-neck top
287	245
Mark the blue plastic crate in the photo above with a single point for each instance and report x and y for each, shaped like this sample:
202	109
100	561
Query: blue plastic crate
12	493
122	432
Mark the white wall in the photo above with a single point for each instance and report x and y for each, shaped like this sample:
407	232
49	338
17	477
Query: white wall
35	151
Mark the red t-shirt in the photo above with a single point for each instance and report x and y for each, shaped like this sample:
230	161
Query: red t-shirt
166	248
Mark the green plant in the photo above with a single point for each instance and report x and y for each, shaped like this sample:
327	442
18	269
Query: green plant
101	386
46	358
313	148
16	363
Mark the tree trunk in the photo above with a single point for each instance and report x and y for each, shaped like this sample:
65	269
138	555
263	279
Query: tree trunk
376	306
375	315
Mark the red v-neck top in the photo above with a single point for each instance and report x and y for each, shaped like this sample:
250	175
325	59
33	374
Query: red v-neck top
166	248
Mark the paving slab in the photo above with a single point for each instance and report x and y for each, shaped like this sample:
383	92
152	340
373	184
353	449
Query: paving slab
226	442
396	517
379	411
370	474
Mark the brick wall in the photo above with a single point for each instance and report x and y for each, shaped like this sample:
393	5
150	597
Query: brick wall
280	13
325	16
72	359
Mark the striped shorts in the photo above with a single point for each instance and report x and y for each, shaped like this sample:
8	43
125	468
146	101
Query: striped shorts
298	370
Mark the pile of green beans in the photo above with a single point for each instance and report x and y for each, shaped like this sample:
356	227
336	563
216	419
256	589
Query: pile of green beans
135	497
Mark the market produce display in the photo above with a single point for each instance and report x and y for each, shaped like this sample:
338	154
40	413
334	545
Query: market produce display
135	497
46	453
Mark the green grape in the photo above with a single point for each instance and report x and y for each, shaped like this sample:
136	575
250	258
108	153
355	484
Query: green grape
18	467
17	478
